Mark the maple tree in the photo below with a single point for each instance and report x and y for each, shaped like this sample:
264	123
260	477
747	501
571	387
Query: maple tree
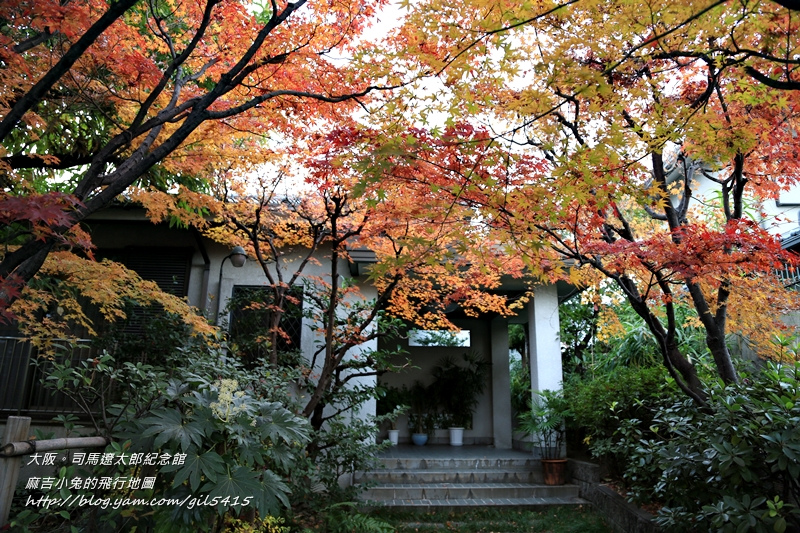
98	96
614	141
173	106
421	265
558	119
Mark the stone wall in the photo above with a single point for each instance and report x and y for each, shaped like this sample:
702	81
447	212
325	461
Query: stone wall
623	516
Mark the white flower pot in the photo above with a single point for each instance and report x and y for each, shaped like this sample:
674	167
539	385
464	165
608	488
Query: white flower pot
456	436
394	435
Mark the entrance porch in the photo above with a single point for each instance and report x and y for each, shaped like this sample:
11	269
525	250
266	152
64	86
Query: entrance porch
488	337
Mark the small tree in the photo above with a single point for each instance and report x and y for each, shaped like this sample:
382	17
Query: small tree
457	387
413	276
544	422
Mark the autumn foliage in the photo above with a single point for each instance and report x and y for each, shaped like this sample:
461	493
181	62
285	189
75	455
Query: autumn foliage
583	141
423	266
613	141
96	97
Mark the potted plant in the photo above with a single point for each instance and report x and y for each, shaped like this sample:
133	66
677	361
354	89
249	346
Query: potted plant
422	418
392	402
544	422
457	390
393	434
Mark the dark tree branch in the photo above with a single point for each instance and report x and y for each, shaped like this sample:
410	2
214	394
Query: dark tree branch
39	90
34	41
770	82
64	161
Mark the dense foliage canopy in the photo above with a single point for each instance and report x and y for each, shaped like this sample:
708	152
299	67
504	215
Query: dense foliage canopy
97	97
593	141
581	140
622	141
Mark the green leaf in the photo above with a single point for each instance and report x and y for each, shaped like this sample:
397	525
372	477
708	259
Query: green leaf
266	493
278	423
169	425
175	389
273	495
195	467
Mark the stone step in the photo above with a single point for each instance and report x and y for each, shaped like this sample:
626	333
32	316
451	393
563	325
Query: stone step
467	491
461	464
443	477
450	476
499	503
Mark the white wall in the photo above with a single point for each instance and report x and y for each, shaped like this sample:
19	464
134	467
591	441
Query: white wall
125	227
252	274
779	217
425	358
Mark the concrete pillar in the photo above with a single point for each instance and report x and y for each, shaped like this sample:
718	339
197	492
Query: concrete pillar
545	345
501	385
368	408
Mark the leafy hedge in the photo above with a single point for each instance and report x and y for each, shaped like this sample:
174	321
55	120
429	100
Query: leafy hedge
733	467
597	402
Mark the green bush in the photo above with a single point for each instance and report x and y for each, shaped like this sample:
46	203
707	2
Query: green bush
520	387
457	388
239	441
345	518
583	352
732	467
237	423
597	404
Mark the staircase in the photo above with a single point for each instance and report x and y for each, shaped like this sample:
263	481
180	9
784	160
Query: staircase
445	477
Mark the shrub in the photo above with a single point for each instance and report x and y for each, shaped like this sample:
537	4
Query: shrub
345	518
520	387
231	425
732	467
269	524
544	422
599	403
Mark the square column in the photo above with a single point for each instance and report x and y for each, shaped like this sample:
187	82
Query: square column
545	344
501	386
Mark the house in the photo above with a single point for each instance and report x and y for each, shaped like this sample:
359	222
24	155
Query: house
779	216
189	265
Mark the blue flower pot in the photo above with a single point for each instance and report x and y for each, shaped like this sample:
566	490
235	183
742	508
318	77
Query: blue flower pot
419	438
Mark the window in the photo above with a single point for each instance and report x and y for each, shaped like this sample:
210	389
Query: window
168	267
251	314
439	338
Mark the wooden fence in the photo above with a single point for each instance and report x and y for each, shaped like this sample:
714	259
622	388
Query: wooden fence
16	444
21	375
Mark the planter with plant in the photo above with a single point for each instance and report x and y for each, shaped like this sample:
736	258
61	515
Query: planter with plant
392	402
457	389
544	422
422	416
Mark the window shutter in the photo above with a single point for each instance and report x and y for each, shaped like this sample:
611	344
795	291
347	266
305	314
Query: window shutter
168	267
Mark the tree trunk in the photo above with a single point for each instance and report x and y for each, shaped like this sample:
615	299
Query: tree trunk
680	368
690	382
715	334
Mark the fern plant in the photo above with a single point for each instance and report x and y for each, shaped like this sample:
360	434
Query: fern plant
344	517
